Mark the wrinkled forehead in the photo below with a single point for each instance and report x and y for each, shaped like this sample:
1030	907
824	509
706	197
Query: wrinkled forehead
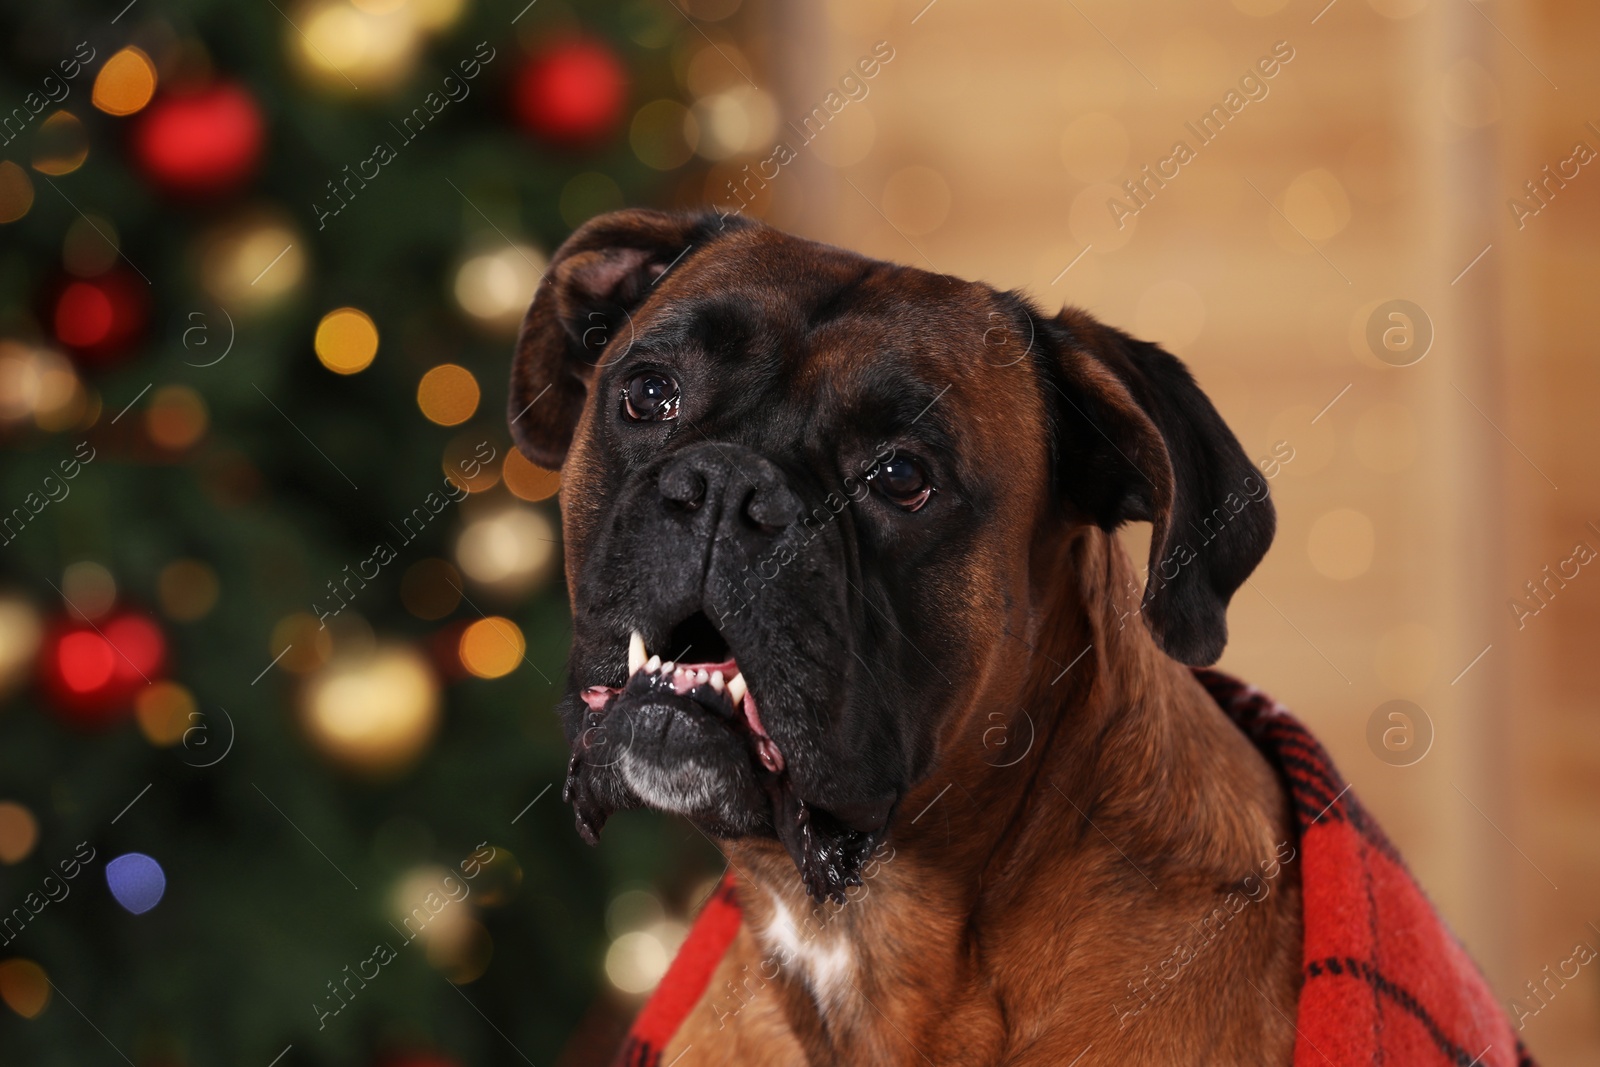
867	342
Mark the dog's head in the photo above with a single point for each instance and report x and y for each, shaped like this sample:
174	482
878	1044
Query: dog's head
800	490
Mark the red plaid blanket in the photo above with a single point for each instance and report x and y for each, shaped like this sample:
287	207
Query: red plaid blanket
1385	981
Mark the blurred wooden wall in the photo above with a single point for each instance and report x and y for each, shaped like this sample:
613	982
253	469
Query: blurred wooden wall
1376	164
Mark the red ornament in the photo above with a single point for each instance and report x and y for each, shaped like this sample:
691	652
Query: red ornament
99	317
572	93
91	671
200	143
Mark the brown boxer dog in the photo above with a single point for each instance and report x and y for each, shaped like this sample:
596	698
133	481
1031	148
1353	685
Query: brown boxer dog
846	595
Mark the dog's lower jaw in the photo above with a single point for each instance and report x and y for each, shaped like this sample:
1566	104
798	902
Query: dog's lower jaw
827	849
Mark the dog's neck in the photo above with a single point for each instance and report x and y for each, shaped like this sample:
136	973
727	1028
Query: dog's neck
1087	762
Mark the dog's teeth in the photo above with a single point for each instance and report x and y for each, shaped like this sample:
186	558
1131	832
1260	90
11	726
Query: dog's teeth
717	681
668	667
652	665
635	653
736	688
701	677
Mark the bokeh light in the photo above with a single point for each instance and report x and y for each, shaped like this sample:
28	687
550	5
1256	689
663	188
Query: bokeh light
16	192
84	315
136	881
527	480
176	417
61	144
251	262
1092	224
89	589
435	15
19	832
187	589
716	67
496	287
636	961
20	633
164	712
435	906
126	82
498	880
464	462
40	384
346	340
740	120
492	647
465	957
1314	208
510	550
1341	544
299	643
343	48
429	904
448	394
373	713
24	987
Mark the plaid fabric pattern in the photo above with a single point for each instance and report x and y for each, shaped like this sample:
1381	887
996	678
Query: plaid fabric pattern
1385	982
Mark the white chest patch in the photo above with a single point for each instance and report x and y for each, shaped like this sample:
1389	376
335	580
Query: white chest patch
822	958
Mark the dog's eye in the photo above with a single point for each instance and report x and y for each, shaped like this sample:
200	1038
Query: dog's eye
903	481
650	397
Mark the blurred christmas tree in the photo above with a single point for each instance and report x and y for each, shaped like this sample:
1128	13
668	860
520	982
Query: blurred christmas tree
281	617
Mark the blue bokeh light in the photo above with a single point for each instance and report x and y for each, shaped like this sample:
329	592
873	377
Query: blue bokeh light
137	881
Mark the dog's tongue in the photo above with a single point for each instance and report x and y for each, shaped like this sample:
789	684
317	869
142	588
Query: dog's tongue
766	749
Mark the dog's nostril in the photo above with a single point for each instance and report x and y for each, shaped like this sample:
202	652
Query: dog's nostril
772	507
683	486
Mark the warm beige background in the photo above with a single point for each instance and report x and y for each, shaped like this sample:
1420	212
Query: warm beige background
1417	505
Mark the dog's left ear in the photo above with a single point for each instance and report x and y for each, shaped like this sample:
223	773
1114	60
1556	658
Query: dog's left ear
596	279
1136	440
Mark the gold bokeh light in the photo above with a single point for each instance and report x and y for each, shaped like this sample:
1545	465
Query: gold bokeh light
125	84
347	340
448	394
492	647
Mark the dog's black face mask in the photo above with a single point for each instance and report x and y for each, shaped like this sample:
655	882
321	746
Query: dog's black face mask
785	543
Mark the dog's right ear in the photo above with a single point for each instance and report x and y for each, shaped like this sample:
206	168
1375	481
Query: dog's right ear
596	279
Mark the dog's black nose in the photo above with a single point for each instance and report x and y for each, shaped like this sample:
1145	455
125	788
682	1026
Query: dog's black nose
752	491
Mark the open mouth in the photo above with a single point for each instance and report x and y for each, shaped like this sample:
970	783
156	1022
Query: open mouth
705	681
704	673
